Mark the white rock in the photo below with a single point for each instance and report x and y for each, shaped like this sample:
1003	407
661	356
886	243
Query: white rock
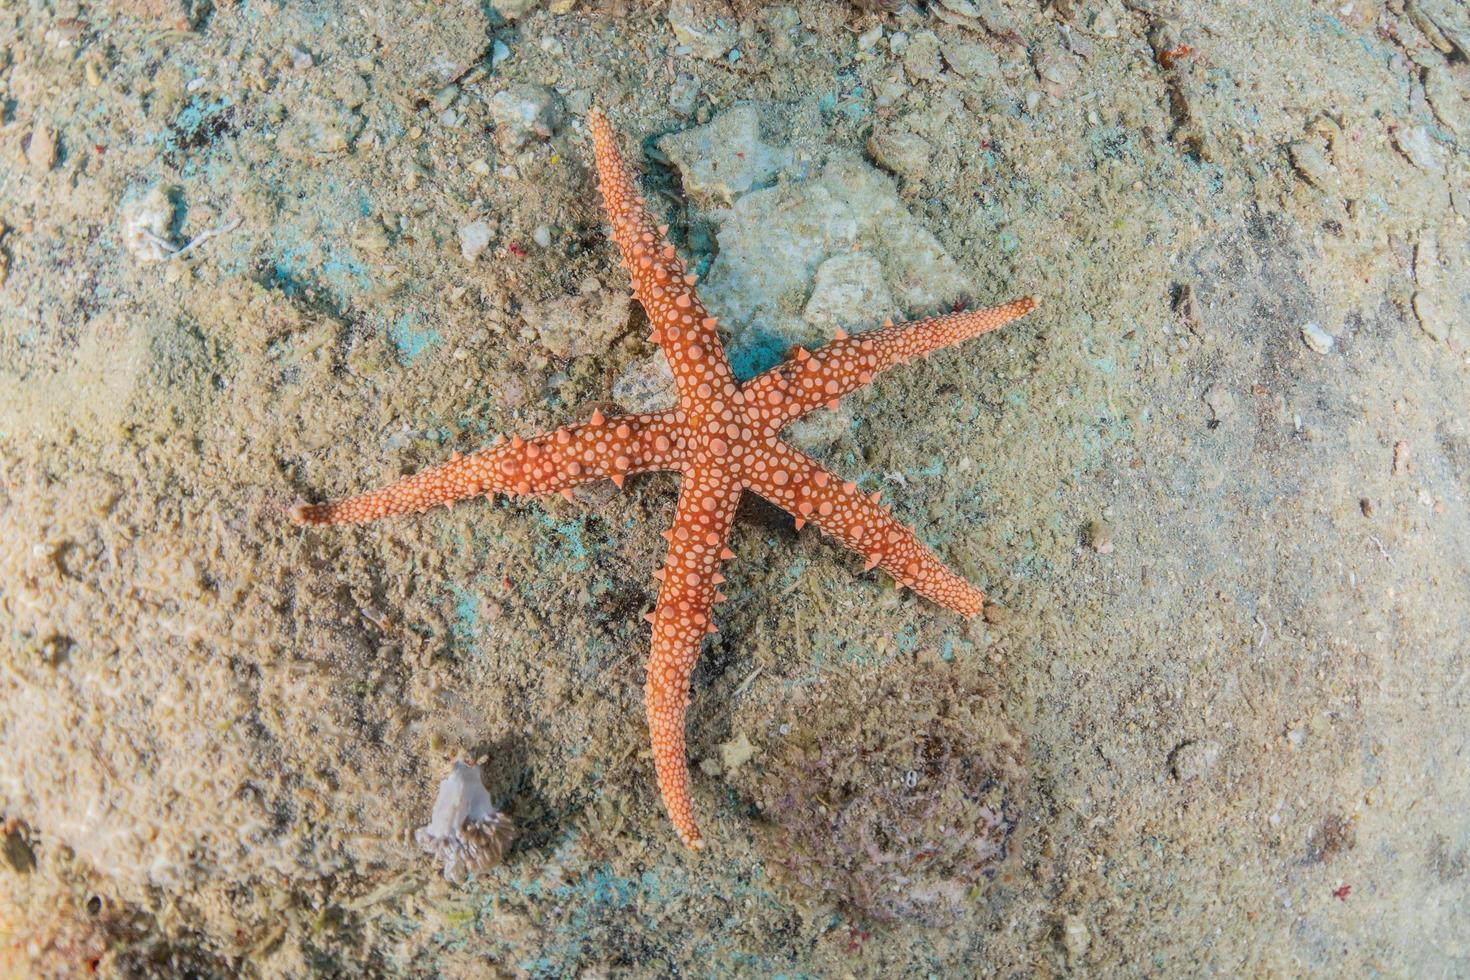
971	60
1075	938
41	150
1421	149
1220	401
701	29
724	159
1318	339
1442	274
901	152
524	114
474	238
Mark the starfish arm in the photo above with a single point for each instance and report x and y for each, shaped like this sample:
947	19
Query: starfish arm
796	484
681	324
811	380
690	574
604	448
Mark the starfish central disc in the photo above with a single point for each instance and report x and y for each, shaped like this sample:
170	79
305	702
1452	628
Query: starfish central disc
723	438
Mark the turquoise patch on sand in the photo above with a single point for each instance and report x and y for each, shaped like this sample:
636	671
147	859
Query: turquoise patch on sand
410	342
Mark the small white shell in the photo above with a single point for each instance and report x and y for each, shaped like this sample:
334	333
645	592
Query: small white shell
466	832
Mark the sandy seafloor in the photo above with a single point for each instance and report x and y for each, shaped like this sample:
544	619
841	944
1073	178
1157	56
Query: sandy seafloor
1230	553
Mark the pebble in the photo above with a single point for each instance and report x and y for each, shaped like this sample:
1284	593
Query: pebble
1440	273
474	238
699	30
1449	97
1193	759
512	9
683	95
921	58
1309	157
300	60
1220	401
1189	309
972	60
1401	462
41	150
899	152
541	235
523	114
1318	339
819	431
1075	938
1421	149
371	237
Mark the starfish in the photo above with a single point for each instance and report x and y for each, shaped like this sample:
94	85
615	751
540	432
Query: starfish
723	438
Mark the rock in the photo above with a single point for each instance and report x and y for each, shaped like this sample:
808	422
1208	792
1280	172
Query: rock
1402	458
41	149
319	130
145	226
1318	339
1421	148
1309	157
848	292
371	237
772	242
1450	98
474	238
1442	275
725	158
1193	759
1056	71
646	385
1219	400
523	114
706	29
921	58
979	15
1075	938
1443	24
683	95
901	152
1190	311
575	326
971	60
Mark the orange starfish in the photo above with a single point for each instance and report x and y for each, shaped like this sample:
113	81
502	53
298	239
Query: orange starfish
723	438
